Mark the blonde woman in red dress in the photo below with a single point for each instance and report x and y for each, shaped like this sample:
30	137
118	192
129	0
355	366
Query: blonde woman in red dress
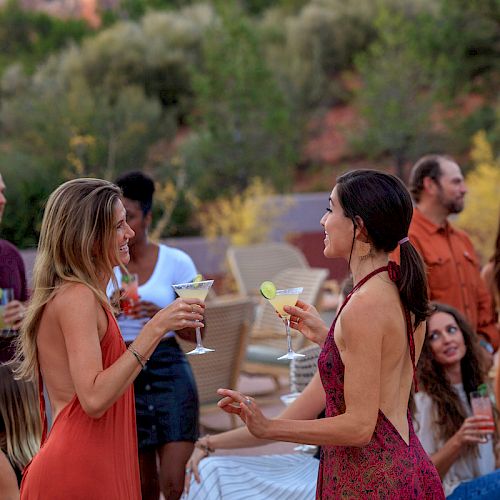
70	341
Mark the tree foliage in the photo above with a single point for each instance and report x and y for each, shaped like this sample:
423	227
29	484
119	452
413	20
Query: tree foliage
397	94
29	37
243	125
241	81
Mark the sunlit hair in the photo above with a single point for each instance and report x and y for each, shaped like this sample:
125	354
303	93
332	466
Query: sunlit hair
432	379
20	424
76	246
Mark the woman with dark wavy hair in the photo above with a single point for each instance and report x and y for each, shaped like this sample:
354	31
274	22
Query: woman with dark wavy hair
450	368
491	274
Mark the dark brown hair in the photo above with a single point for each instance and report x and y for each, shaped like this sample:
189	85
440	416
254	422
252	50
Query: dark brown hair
383	203
432	379
139	187
427	166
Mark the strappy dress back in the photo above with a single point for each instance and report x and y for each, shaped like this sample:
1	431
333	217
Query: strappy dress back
386	468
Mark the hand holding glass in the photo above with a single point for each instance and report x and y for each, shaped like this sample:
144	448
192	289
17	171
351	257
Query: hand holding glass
196	290
6	296
284	298
481	407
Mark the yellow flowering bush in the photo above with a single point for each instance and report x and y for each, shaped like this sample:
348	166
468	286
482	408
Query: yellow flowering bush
245	218
482	208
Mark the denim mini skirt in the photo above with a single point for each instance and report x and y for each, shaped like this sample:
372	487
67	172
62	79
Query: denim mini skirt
166	399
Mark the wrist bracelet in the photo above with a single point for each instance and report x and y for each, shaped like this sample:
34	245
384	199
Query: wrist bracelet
205	447
140	358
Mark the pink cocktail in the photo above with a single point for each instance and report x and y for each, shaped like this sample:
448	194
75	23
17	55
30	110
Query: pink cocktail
130	286
481	407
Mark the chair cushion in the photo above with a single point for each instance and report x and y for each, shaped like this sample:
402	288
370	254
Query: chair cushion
265	354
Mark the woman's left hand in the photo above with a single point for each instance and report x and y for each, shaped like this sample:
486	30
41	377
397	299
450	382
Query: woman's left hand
307	320
245	407
192	467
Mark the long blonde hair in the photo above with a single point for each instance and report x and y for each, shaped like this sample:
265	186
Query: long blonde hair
76	245
20	424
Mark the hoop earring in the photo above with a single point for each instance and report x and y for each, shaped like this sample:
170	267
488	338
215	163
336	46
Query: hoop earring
365	250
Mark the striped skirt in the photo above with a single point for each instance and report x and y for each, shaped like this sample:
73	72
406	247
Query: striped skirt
269	477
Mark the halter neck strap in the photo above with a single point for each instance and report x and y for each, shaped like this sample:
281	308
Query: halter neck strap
394	274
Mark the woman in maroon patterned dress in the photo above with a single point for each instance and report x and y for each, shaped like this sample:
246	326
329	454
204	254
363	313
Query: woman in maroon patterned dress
367	363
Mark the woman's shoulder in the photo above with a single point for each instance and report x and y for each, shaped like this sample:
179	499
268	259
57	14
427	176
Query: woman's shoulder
373	303
422	400
173	252
176	258
71	294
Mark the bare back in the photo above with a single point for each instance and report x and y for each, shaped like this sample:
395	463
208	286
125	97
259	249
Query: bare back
52	350
376	310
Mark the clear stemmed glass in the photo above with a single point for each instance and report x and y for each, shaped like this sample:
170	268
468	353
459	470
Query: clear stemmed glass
283	298
196	290
6	296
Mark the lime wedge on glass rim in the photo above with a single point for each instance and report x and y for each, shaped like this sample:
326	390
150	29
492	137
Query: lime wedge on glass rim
197	279
268	290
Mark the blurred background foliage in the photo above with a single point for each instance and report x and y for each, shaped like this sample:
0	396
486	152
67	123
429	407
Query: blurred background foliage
207	96
482	210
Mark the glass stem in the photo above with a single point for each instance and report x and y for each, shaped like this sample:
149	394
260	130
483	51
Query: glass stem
288	336
198	337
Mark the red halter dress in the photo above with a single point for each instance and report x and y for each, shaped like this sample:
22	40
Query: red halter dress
86	458
386	468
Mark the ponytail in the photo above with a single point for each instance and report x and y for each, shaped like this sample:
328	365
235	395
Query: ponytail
413	283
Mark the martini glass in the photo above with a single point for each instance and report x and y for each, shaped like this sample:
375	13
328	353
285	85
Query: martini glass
284	298
196	290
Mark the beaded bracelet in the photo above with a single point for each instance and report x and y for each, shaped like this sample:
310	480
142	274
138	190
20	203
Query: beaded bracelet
205	447
140	358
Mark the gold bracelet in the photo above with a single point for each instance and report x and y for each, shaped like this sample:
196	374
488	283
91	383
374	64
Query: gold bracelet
205	447
140	358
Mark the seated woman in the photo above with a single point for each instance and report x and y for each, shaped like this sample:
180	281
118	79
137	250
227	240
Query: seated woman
20	429
449	369
290	476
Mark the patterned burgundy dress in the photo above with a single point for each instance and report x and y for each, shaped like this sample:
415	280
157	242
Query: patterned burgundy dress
386	468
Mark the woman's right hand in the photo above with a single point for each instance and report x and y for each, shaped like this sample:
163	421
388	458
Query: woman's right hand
192	467
472	431
180	314
306	319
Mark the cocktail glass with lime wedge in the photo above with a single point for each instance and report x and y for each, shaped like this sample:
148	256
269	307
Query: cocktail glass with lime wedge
279	299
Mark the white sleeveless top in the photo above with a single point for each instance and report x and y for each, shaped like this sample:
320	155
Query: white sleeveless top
173	266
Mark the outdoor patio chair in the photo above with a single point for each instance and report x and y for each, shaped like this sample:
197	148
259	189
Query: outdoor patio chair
267	336
253	264
226	330
302	370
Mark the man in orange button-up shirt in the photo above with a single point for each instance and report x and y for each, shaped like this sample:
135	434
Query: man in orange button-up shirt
438	188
